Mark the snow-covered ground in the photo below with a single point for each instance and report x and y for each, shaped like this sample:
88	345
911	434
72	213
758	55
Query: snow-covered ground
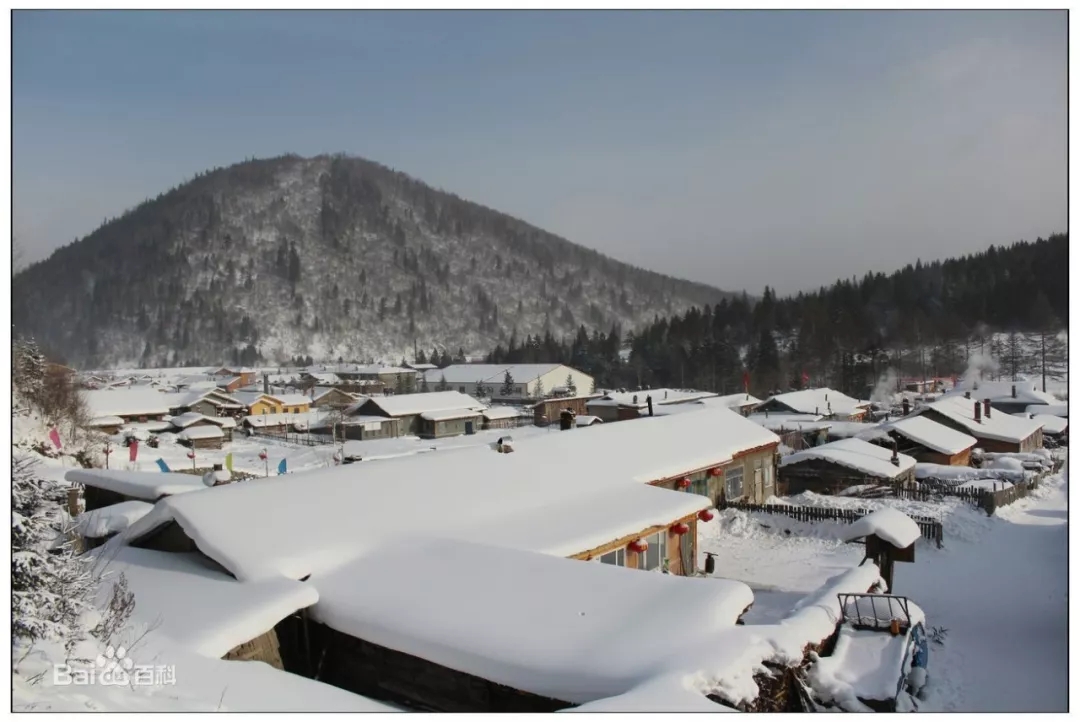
999	586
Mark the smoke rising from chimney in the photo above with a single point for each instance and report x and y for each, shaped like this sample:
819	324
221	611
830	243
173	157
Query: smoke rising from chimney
886	387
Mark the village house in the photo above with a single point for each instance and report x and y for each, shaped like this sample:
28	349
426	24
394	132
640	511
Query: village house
549	411
526	381
501	417
1007	397
421	368
332	398
796	431
106	487
446	413
627	405
110	409
206	436
214	403
839	465
231	384
829	403
994	432
193	419
744	404
247	376
929	442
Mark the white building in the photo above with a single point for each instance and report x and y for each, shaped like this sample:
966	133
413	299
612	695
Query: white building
528	381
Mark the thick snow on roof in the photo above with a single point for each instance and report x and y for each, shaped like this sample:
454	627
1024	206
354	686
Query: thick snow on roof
258	530
1002	391
199	608
660	397
98	523
587	420
300	419
1055	409
501	412
892	525
201	432
409	404
126	402
931	434
1051	424
850	429
475	373
106	421
449	414
997	427
247	398
790	422
191	417
733	401
293	399
817	401
145	485
854	454
571	630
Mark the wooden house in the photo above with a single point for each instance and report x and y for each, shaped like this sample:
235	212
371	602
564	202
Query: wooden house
840	465
451	422
501	417
526	381
193	419
106	487
332	398
207	436
1006	397
129	405
993	431
929	442
548	411
408	410
212	403
258	403
292	403
828	403
229	384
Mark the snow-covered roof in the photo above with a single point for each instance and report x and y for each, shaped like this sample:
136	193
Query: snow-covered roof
1055	409
561	628
660	397
107	520
193	433
666	694
247	398
997	427
733	401
292	399
185	420
321	391
849	429
790	422
854	454
449	414
198	608
891	525
819	401
500	412
489	373
145	485
931	434
410	404
252	529
302	418
126	402
586	420
423	367
1051	424
1026	391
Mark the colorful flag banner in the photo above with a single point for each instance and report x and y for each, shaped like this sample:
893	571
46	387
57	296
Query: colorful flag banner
164	467
54	436
228	461
281	467
133	450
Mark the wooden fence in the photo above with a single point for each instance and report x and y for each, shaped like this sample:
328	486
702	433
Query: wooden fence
986	499
931	529
294	437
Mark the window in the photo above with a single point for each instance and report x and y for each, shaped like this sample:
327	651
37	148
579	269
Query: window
296	411
616	557
768	475
700	485
656	553
461	389
733	482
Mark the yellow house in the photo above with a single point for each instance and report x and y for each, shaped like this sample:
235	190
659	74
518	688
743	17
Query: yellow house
292	403
259	403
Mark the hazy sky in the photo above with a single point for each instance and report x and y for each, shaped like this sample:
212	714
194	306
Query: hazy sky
735	148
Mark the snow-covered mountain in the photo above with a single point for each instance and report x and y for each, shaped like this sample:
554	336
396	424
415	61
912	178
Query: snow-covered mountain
331	257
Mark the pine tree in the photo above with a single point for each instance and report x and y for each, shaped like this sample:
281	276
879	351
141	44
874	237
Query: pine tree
424	384
442	385
570	385
539	393
508	384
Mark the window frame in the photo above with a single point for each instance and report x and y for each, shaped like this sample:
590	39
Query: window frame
730	474
619	556
657	541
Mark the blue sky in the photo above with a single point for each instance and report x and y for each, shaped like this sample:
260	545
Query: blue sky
734	148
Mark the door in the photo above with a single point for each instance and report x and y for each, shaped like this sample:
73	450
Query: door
468	428
686	552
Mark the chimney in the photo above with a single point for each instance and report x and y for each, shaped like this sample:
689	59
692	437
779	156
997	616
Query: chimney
907	406
648	400
967	394
895	455
986	408
978	413
1014	391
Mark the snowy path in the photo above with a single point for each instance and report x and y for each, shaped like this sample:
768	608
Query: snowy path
1004	601
1000	588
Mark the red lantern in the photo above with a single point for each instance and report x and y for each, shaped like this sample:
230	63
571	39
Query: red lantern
262	455
639	545
680	528
714	471
191	455
107	451
705	515
684	483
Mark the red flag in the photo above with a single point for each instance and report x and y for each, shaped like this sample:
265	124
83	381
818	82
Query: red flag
746	379
54	436
133	450
805	377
